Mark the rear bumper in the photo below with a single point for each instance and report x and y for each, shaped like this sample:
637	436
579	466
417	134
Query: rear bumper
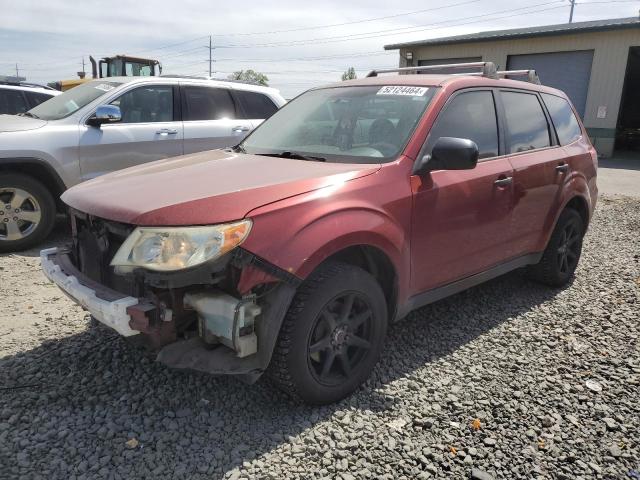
106	305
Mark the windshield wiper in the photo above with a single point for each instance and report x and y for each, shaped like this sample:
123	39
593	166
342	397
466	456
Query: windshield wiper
28	114
295	156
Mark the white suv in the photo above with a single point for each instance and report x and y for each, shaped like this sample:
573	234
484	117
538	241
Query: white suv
110	124
16	98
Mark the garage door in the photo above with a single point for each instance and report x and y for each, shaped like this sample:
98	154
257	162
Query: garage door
567	71
449	61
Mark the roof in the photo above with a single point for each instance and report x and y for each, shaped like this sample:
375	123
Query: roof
29	88
189	79
430	80
539	31
381	80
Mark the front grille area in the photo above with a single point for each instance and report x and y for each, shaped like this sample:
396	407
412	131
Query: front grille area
95	242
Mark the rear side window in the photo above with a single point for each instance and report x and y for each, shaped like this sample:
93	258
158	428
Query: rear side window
12	102
567	126
205	103
37	98
256	105
527	127
470	115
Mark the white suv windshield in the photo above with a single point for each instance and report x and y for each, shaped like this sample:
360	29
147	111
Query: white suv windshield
72	100
358	124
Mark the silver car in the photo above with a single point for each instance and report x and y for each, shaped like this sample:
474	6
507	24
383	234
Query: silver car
110	124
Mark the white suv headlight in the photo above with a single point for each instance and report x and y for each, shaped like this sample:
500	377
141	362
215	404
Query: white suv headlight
176	248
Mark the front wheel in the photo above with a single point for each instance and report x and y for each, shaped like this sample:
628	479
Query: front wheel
332	335
560	258
27	212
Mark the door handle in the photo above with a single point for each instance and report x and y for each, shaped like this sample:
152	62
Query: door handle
166	131
241	128
504	181
563	167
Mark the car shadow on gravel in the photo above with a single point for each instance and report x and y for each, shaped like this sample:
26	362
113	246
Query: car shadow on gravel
92	392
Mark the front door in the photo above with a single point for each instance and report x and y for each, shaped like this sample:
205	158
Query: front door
149	130
210	119
460	220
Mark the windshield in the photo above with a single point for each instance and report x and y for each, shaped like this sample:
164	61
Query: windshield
72	100
343	124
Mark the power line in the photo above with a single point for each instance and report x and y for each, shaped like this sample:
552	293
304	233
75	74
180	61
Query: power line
375	19
334	39
387	32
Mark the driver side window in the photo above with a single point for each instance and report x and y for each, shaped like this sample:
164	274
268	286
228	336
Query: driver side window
470	115
146	104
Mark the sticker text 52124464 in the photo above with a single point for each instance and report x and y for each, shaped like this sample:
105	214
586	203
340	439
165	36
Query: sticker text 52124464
403	90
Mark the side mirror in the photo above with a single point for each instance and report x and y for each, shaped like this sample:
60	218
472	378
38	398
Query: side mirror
105	114
449	153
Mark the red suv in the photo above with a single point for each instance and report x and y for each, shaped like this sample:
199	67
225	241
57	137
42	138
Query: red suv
348	208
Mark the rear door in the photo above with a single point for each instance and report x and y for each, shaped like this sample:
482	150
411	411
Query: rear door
211	118
539	166
461	218
254	106
150	129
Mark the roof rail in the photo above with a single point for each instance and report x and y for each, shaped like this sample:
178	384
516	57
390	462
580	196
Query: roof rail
487	69
24	84
531	75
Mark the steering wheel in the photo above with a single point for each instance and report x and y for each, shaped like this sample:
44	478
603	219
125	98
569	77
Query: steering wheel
385	148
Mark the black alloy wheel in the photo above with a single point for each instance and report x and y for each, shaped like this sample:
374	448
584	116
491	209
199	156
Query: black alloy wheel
331	336
340	338
560	259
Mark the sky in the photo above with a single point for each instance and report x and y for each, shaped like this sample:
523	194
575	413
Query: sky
297	44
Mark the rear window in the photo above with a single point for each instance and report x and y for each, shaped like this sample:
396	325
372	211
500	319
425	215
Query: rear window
256	105
527	127
205	103
567	126
12	102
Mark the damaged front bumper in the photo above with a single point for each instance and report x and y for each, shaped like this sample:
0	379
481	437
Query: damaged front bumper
107	306
226	335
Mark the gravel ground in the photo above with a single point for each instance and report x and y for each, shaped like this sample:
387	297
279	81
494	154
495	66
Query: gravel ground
507	380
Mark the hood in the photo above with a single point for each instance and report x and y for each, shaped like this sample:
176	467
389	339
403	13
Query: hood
15	123
204	188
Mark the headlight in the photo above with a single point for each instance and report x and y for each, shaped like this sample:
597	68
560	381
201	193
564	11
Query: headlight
175	248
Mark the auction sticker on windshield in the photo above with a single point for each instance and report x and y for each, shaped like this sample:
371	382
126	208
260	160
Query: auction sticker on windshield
105	87
398	90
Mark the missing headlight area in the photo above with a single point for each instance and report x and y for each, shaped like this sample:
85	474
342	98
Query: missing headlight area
221	316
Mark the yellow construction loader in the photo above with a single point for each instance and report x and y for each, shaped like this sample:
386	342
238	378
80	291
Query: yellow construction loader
116	66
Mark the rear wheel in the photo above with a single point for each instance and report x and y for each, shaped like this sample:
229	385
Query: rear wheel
27	212
560	258
332	335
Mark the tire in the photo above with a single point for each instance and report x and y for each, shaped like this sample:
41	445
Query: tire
34	217
316	332
560	259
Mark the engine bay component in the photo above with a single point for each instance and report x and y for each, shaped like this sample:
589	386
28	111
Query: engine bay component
225	319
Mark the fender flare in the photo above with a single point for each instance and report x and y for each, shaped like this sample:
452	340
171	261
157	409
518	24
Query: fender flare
575	187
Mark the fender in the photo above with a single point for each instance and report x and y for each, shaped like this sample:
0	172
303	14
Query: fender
7	163
304	231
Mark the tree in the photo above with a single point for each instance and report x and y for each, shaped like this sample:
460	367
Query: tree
250	76
350	74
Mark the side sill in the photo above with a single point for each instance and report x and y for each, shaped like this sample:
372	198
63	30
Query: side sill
430	296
